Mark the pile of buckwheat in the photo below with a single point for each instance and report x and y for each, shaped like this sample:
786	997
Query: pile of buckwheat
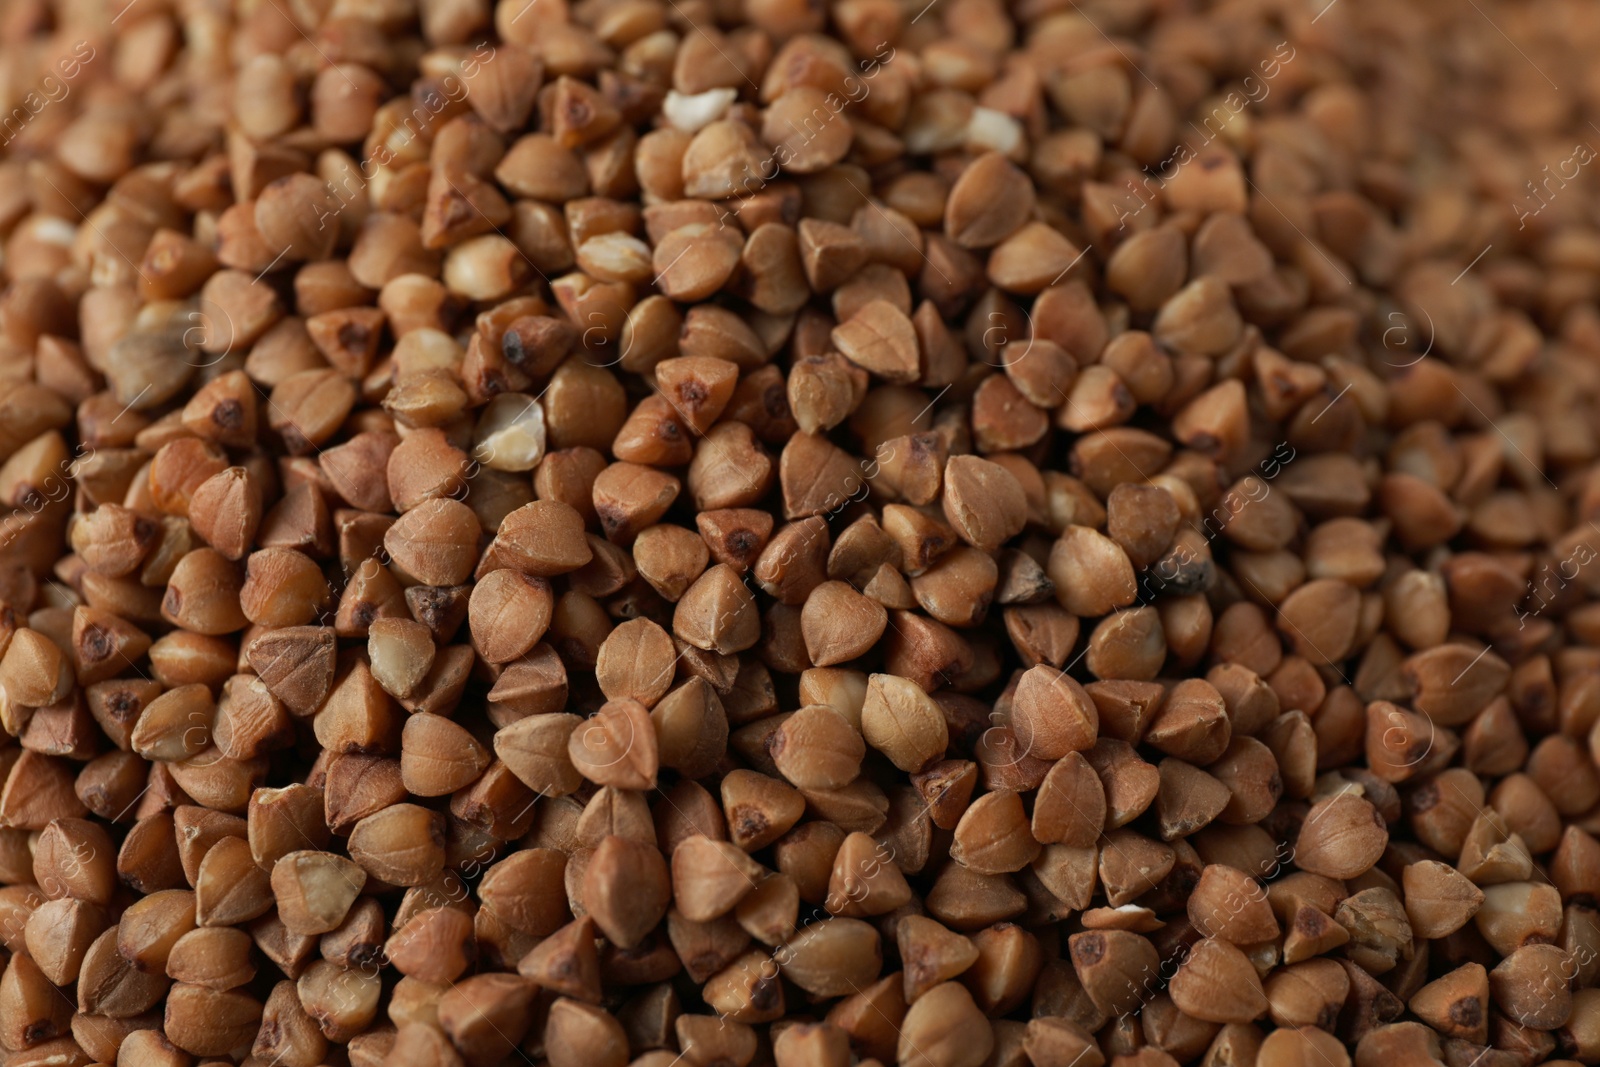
949	533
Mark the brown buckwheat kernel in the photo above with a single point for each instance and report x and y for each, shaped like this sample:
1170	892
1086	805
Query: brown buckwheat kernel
623	532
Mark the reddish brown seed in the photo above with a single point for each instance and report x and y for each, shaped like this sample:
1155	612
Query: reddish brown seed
1217	983
944	1028
617	746
1052	715
817	748
1341	837
900	720
392	475
508	613
988	202
840	624
879	339
1091	572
